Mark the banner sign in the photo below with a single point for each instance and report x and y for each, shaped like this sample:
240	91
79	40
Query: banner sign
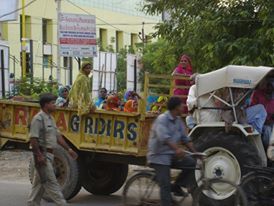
77	35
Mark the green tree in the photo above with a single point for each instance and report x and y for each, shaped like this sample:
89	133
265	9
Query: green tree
122	67
158	58
216	33
121	71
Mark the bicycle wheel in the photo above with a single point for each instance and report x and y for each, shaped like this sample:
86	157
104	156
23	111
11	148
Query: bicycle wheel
259	188
208	192
141	190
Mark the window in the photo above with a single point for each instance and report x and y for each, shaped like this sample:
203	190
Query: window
133	41
28	63
119	40
47	31
103	38
5	31
47	61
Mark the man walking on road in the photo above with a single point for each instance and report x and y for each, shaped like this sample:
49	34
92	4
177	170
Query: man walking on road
44	137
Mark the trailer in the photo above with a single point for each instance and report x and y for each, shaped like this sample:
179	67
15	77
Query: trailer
106	141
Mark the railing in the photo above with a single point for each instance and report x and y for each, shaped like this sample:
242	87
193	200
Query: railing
164	82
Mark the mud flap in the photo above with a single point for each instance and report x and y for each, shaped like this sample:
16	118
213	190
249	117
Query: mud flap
257	141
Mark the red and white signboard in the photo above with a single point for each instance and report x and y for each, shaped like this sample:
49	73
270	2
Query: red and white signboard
77	35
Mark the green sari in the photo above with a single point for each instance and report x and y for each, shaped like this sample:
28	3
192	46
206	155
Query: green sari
80	93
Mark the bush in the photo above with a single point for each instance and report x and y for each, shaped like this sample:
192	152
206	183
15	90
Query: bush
31	88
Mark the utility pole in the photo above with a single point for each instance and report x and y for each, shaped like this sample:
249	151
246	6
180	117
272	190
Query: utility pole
23	40
2	66
58	75
143	35
1	30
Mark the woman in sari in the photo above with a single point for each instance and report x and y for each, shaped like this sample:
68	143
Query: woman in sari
79	95
184	68
113	103
131	106
62	100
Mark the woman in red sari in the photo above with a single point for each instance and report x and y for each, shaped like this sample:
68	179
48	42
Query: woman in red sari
185	69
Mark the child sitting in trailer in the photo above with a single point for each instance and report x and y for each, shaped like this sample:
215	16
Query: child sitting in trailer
160	106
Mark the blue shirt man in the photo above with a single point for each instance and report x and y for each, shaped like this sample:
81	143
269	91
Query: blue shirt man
164	153
99	103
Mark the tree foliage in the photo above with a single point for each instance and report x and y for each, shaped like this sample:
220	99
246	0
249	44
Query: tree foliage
121	70
216	33
32	88
158	58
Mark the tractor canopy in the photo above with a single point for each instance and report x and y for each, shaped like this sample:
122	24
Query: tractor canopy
232	76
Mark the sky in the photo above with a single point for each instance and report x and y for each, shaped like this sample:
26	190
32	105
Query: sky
129	7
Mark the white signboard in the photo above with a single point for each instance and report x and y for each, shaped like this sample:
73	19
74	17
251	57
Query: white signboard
8	7
77	35
104	72
131	61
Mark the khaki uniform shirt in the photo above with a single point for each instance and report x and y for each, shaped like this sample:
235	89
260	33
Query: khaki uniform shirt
51	130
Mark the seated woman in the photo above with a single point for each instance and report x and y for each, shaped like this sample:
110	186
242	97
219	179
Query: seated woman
62	100
264	95
101	100
79	95
113	103
131	95
131	106
255	115
131	101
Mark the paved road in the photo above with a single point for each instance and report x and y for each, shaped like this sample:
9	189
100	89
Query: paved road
15	194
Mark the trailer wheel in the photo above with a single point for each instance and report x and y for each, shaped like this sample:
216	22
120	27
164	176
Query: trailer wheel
66	171
228	153
103	178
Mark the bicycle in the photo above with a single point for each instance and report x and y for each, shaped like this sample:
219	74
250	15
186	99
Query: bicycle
259	186
141	189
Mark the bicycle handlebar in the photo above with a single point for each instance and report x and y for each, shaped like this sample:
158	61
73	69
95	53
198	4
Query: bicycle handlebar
201	154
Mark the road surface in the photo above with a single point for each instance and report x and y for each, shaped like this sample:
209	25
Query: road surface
15	186
16	193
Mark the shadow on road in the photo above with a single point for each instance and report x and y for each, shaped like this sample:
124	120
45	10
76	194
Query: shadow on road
88	199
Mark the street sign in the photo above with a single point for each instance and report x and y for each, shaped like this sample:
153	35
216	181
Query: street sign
77	35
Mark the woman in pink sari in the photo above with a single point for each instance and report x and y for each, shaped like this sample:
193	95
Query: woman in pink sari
185	69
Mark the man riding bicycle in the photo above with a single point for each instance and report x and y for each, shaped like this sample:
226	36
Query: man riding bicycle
164	153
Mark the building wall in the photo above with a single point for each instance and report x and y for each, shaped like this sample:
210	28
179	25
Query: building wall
124	26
